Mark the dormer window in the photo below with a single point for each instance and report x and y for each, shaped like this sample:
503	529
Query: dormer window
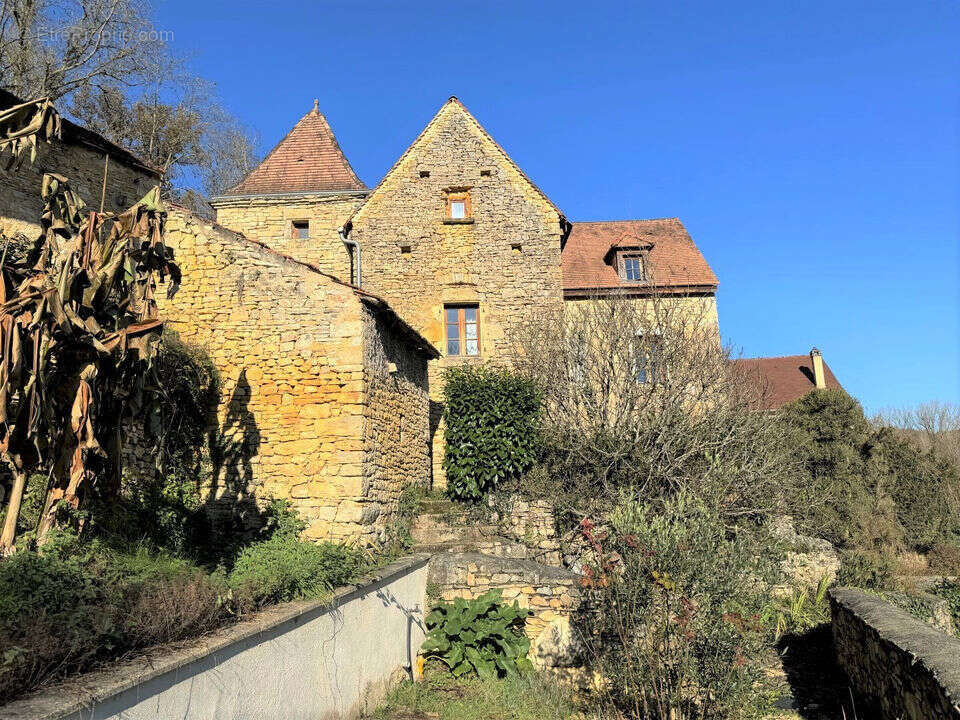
630	258
631	268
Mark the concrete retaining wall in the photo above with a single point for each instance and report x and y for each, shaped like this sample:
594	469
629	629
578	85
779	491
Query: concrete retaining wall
300	661
899	666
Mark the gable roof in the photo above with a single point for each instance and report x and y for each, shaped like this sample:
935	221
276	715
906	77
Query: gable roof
453	101
376	303
79	135
781	380
673	263
308	159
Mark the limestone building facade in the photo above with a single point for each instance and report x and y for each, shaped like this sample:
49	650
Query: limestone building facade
324	388
457	238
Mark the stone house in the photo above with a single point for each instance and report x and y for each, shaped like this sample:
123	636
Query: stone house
457	238
324	387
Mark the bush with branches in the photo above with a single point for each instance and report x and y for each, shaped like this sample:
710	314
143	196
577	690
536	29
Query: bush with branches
882	492
671	613
639	396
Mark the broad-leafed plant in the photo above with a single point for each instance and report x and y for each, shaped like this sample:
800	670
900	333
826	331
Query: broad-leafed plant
483	635
79	330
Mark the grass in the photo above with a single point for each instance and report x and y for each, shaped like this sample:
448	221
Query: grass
442	697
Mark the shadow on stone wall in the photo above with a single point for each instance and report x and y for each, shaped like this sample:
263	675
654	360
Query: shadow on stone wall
231	502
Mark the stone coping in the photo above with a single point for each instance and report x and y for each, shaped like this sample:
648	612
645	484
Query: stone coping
932	649
77	694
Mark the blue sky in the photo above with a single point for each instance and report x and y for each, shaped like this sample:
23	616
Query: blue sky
811	149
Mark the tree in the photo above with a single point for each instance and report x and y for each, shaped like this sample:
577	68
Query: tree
176	125
637	399
50	48
79	330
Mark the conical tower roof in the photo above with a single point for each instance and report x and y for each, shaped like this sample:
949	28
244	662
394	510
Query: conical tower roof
308	159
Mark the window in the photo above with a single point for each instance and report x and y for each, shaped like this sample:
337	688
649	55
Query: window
301	229
463	329
632	268
649	360
458	206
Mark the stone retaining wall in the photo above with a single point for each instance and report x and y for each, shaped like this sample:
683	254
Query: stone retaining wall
900	667
298	661
530	522
551	593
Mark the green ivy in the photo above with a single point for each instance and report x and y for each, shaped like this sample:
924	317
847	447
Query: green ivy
482	635
491	429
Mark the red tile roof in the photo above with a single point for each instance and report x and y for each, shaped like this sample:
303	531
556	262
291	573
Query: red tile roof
781	380
308	159
674	262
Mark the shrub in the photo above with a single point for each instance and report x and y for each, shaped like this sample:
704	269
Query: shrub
865	568
75	605
282	567
491	420
950	591
671	616
482	635
639	396
880	491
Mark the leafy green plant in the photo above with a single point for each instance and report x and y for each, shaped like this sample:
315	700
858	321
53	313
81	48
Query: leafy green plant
491	429
482	635
798	612
285	568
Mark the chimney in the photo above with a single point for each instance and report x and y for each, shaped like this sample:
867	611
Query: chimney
316	106
816	360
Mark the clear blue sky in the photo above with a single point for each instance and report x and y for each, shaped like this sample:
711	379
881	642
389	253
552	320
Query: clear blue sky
811	149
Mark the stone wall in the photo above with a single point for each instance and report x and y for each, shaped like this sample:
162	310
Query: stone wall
268	219
299	403
900	667
396	433
531	523
551	593
20	203
505	259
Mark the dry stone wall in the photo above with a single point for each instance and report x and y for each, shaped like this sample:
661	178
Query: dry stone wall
20	203
297	408
900	667
269	220
551	593
505	259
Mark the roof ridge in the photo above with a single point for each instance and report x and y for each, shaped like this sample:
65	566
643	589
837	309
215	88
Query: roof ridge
326	136
607	222
454	100
773	357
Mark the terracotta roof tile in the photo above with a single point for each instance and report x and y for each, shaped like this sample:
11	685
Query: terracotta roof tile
674	262
781	380
308	159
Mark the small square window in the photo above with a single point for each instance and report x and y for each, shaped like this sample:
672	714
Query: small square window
458	206
462	329
632	268
301	229
404	249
